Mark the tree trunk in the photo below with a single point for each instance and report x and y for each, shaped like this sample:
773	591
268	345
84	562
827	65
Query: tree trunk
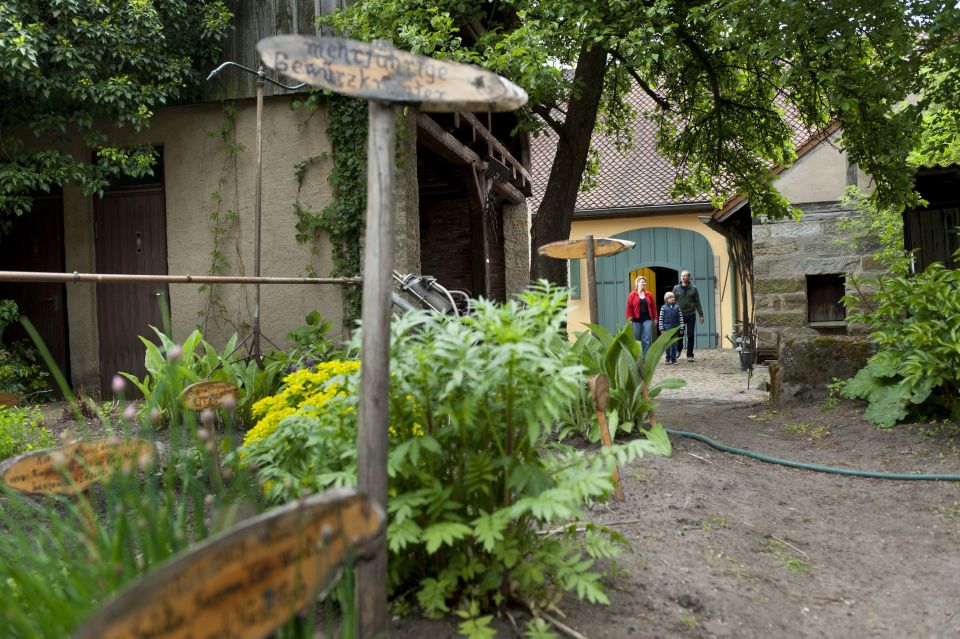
556	210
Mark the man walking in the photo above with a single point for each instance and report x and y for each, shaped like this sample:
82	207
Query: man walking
688	299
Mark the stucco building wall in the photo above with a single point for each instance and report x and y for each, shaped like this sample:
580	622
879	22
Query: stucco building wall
193	165
724	294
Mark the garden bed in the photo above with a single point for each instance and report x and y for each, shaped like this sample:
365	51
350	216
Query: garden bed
725	546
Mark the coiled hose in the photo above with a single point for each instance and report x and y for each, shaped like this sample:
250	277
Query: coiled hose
852	472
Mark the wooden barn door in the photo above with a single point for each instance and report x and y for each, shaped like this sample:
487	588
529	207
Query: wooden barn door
131	238
35	243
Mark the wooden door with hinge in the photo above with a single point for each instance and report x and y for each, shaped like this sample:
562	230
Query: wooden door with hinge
35	243
131	238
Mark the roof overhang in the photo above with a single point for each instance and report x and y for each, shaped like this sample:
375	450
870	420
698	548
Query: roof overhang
643	211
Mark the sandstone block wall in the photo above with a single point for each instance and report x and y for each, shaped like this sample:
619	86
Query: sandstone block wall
786	252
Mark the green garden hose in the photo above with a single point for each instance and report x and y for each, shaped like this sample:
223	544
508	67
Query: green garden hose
853	472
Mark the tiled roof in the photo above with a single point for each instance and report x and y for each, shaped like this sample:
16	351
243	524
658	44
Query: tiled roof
640	178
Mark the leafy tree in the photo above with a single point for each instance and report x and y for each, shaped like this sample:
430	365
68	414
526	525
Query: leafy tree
721	74
75	69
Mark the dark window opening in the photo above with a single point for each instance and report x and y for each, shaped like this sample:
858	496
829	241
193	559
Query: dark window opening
823	298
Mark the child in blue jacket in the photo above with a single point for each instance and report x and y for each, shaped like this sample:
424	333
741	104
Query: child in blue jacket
670	317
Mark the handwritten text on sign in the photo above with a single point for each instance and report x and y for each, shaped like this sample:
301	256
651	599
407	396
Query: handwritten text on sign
70	469
212	395
383	73
247	582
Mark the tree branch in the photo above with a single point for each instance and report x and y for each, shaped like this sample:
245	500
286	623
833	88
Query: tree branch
544	112
660	100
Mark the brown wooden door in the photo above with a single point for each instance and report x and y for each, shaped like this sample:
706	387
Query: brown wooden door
35	243
132	239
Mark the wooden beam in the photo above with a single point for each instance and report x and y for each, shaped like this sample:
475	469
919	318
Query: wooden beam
508	192
492	141
444	144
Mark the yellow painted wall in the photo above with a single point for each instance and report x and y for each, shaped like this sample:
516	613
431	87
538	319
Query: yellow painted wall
579	310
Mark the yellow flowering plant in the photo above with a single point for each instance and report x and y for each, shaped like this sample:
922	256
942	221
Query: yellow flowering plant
304	392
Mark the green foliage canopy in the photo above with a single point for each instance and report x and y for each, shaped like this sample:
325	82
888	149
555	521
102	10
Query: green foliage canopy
74	69
721	74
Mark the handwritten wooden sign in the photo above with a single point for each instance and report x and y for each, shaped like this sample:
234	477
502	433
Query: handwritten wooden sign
9	399
577	249
247	582
71	469
212	395
380	72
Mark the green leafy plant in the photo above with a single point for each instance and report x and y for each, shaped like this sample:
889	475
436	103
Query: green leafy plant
311	345
476	470
22	430
20	370
171	367
60	557
916	323
619	358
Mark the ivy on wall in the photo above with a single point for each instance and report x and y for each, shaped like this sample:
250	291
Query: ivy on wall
343	218
225	220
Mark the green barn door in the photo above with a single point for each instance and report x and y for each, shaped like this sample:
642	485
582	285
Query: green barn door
676	249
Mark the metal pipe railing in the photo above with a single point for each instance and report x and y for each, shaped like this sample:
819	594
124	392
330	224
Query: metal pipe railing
75	277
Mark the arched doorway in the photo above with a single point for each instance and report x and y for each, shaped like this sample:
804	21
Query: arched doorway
659	255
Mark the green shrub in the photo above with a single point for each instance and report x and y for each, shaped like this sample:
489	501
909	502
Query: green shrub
171	367
21	431
476	470
916	323
20	370
619	358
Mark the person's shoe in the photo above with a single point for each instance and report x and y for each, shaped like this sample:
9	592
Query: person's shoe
689	358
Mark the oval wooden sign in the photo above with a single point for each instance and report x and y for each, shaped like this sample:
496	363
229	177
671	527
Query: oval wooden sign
212	395
577	249
71	469
9	399
381	72
248	581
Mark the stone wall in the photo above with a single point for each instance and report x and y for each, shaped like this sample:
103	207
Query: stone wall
808	363
786	252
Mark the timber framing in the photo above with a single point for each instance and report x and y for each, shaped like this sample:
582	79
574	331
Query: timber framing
514	189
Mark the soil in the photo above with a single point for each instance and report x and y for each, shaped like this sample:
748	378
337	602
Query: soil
727	546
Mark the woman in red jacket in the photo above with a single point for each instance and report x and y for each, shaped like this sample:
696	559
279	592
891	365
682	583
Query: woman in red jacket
642	312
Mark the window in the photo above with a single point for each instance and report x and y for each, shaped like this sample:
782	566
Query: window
823	299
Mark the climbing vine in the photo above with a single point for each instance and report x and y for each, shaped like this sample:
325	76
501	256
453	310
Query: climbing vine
343	218
225	225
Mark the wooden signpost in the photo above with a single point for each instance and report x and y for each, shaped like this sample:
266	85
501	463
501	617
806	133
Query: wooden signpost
209	395
387	78
600	392
9	399
377	71
71	469
248	581
588	248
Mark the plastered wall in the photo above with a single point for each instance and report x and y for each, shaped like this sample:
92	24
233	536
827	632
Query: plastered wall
194	163
579	310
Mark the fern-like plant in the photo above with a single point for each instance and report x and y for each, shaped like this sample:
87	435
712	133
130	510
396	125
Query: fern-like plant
476	471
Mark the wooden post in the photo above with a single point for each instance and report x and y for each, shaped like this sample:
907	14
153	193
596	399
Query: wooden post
384	76
258	196
600	392
375	350
592	280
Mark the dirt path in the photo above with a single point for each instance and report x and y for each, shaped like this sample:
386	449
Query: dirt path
725	546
